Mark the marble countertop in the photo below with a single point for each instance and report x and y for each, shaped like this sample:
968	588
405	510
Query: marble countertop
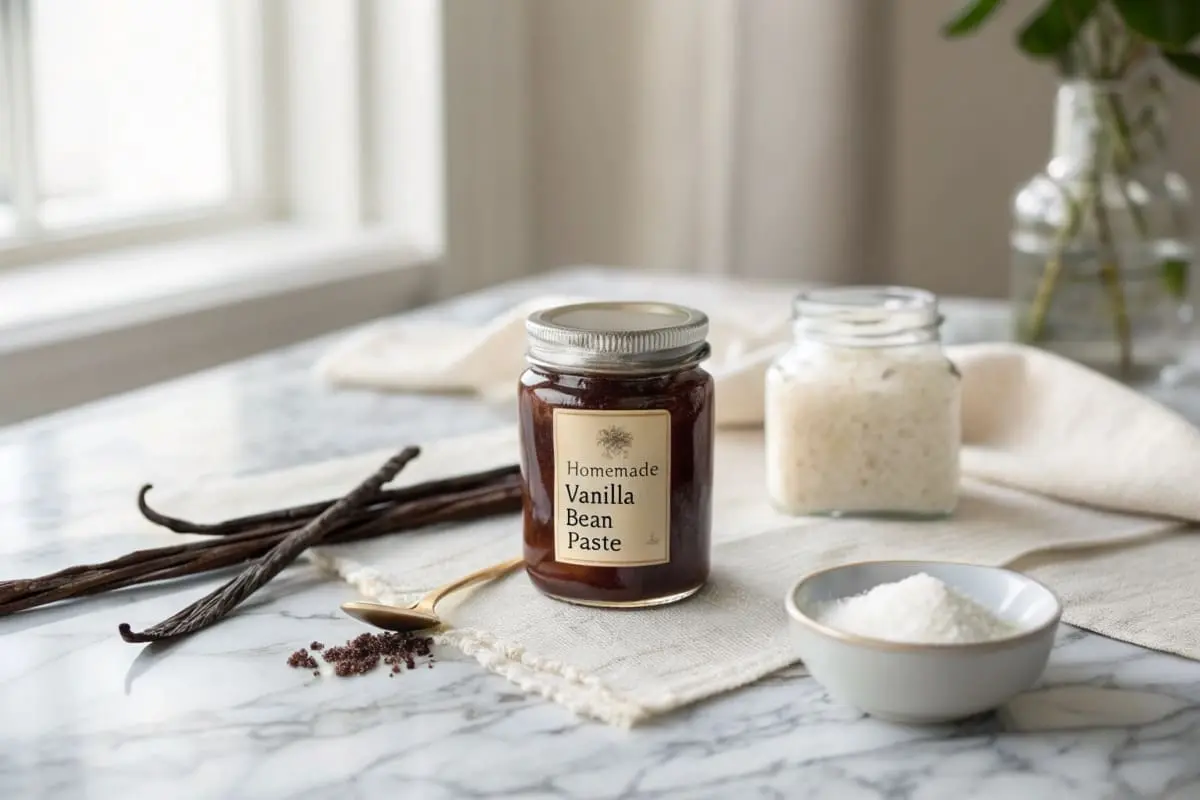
221	715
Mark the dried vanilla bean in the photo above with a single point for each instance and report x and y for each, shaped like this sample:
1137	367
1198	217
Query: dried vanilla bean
305	512
216	605
221	552
235	542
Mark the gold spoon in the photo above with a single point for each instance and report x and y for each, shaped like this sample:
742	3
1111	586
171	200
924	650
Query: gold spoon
420	615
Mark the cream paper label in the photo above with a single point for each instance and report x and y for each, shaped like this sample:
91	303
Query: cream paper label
612	492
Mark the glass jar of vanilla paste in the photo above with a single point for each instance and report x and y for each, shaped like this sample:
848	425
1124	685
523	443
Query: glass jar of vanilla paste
862	413
616	439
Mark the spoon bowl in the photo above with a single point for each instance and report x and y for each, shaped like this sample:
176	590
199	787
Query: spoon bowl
391	618
421	614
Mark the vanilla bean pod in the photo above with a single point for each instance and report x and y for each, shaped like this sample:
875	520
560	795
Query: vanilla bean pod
303	513
216	605
137	560
477	503
146	572
482	503
164	563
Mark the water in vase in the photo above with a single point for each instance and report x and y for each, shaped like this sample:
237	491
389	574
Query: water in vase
1078	316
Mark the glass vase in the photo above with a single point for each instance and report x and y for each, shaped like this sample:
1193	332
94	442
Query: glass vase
1101	250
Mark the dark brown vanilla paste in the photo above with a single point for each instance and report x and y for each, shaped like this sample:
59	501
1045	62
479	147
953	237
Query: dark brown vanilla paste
616	422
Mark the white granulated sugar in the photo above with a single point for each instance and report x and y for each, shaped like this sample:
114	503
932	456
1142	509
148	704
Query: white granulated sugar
860	430
918	609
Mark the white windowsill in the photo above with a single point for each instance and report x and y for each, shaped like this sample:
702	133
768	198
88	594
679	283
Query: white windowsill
82	329
82	296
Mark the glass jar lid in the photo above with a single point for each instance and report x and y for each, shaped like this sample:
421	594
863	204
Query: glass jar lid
618	336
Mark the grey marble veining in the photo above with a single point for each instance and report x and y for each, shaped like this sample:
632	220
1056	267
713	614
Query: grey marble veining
221	715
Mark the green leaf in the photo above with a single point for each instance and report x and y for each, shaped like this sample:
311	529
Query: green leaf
970	17
1171	23
1186	63
1175	276
1051	31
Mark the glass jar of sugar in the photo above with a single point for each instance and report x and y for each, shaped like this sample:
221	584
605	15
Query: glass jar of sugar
862	413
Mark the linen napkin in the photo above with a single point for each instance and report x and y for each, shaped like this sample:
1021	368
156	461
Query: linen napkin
486	360
625	667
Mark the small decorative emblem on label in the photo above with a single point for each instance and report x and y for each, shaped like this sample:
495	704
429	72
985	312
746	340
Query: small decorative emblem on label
612	492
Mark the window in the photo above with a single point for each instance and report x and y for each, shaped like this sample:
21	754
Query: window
122	114
184	182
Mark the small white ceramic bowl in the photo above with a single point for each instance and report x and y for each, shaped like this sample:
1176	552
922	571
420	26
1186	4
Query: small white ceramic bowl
925	683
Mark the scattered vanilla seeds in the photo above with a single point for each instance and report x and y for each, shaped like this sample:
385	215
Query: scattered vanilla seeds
362	654
302	659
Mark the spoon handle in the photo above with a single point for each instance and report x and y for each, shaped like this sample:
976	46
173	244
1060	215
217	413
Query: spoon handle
487	573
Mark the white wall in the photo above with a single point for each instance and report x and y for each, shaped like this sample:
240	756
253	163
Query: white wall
877	152
815	138
612	96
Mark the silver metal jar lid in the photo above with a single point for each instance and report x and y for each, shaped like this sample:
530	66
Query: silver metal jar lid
617	336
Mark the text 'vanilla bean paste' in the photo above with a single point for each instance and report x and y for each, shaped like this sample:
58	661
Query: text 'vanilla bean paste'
616	422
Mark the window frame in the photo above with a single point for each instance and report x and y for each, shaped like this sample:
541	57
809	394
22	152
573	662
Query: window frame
394	158
252	77
430	138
